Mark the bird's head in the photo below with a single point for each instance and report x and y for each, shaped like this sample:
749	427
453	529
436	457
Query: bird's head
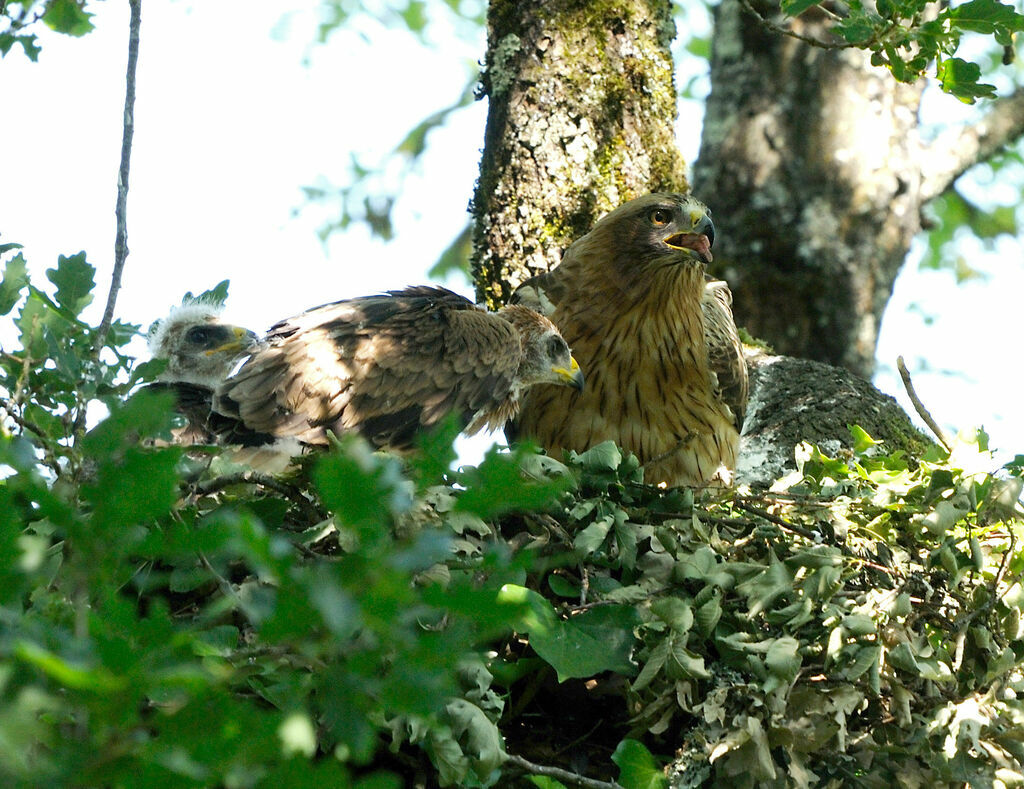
198	347
546	355
652	231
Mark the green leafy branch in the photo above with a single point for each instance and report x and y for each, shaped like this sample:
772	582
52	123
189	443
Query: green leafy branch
62	16
906	36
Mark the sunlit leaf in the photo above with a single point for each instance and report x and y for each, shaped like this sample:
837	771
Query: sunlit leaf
960	78
14	281
985	16
365	489
637	767
68	16
435	452
497	486
861	440
68	674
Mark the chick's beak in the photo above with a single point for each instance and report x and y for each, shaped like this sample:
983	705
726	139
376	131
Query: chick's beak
242	340
572	377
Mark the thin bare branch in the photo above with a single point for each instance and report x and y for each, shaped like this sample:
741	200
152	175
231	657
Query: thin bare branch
807	534
919	406
225	585
128	130
561	775
14	412
767	24
309	510
958	149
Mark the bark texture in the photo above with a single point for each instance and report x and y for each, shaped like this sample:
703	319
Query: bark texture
581	119
795	400
811	163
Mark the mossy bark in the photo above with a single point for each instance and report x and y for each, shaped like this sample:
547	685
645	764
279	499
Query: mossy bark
811	162
581	118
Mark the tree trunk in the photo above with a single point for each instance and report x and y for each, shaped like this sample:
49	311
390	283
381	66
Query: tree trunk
581	118
811	163
810	159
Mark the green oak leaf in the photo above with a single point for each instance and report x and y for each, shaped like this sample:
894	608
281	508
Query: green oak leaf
75	280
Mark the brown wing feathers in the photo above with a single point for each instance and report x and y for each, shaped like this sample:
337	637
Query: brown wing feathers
725	352
385	366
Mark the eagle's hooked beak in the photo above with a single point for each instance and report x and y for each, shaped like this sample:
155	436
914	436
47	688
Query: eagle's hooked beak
699	240
695	242
572	377
243	340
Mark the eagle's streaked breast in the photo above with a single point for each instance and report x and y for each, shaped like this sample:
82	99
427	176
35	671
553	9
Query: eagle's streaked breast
629	298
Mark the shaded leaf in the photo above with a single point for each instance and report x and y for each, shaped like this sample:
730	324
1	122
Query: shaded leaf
74	280
796	7
581	646
216	295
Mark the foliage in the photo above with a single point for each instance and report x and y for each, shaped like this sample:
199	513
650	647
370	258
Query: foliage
171	617
907	36
166	623
19	20
984	203
415	16
910	38
369	194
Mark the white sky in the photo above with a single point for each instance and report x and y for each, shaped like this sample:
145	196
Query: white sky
231	120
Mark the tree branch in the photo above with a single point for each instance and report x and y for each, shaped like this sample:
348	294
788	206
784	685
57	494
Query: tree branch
793	528
772	27
560	775
309	510
12	410
957	150
919	406
128	130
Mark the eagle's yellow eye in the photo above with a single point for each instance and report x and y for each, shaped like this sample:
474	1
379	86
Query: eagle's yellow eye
660	217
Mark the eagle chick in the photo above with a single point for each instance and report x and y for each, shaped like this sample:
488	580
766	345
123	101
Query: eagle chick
389	365
200	351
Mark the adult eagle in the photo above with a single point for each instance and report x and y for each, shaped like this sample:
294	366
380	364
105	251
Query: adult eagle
390	365
200	351
666	378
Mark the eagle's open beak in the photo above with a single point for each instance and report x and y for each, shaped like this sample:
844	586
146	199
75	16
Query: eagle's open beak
572	377
243	340
695	242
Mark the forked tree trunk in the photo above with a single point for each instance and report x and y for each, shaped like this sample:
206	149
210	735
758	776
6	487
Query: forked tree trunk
811	163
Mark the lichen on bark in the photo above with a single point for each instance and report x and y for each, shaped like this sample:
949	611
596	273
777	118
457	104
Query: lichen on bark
581	118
